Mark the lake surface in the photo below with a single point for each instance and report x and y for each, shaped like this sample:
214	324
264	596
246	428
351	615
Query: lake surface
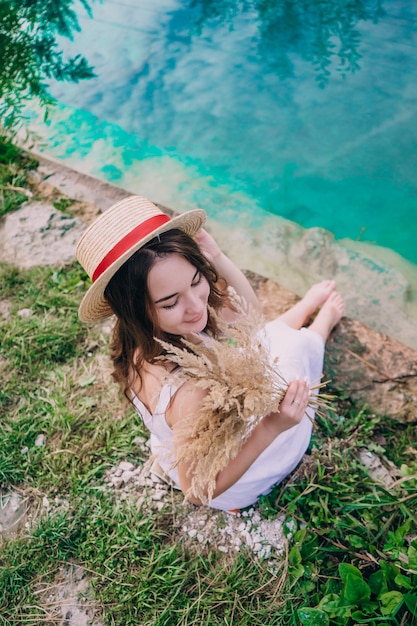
294	124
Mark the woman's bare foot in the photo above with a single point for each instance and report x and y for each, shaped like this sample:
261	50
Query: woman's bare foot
317	295
329	315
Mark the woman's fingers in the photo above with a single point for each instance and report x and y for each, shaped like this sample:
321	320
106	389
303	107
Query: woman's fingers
292	407
207	243
296	398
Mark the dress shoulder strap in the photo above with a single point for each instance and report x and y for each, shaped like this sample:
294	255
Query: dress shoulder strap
168	391
156	420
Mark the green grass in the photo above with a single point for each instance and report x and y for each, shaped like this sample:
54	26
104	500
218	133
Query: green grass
352	555
14	167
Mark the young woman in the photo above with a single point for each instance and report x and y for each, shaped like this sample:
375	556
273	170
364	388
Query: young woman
160	277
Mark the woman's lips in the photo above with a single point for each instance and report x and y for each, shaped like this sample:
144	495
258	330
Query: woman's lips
196	319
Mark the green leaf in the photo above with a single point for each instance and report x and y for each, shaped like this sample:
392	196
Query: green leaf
378	583
390	572
356	590
87	380
367	608
362	617
341	611
412	557
391	602
355	541
300	535
410	600
294	556
312	617
296	571
403	581
332	605
346	569
331	599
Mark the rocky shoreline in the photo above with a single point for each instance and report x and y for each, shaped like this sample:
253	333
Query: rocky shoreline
372	368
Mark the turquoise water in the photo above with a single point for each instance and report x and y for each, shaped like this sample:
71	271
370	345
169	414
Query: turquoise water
271	116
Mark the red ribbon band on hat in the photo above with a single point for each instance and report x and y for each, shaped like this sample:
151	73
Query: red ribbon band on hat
128	241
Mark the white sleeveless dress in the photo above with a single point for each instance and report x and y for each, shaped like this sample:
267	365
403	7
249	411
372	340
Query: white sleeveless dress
300	353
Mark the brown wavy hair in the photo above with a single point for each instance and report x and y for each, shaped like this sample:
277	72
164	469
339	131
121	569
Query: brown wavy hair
136	328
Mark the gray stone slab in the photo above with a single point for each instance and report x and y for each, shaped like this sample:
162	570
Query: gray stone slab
39	234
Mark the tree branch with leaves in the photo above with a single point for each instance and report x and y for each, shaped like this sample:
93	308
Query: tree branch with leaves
30	54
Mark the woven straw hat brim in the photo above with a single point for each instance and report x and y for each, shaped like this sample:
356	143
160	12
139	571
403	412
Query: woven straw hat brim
94	306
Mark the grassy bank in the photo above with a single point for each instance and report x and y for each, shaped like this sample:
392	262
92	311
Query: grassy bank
352	543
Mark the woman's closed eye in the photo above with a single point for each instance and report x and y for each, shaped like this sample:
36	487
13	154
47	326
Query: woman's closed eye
171	306
197	280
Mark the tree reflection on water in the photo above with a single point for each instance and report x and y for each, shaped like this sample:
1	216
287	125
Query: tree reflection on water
321	32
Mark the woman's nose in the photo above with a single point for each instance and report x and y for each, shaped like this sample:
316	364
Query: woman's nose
193	302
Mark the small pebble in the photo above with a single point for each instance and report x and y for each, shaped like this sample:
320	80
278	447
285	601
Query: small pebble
40	441
126	476
126	466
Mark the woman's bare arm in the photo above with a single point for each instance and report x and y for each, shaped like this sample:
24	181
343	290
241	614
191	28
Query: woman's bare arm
291	411
226	268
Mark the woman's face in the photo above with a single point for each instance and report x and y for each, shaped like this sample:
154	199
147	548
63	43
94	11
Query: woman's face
179	294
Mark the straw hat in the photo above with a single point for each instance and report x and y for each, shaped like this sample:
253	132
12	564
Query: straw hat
112	239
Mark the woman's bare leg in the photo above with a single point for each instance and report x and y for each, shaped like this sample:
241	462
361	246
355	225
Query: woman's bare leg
329	315
301	312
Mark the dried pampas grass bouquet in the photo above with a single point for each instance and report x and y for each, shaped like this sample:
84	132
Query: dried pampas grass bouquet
243	384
